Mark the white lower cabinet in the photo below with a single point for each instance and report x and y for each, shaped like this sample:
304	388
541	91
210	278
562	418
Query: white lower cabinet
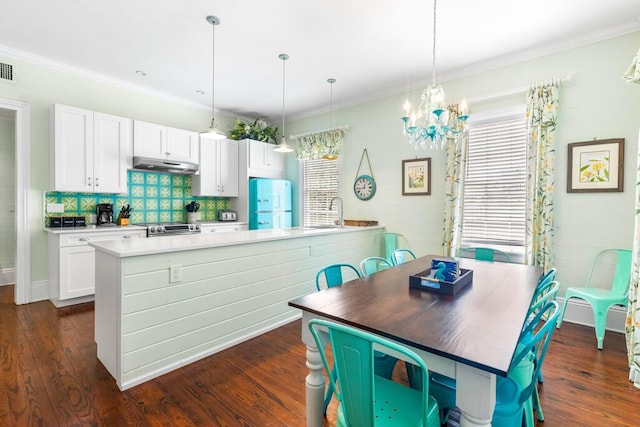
72	263
223	227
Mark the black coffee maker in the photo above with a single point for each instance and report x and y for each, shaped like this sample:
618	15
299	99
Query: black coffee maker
104	214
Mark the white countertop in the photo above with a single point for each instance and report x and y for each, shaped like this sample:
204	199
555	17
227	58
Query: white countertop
185	242
93	229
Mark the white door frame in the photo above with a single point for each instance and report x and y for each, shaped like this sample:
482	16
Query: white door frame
22	288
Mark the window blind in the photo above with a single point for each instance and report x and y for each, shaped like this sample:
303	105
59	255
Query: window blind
494	198
321	184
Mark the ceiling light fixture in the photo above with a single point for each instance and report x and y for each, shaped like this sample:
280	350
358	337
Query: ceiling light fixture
432	119
213	131
283	147
331	155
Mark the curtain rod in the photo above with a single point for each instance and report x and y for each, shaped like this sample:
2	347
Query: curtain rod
300	135
517	90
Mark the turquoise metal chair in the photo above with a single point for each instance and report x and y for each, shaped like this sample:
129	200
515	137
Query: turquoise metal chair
386	243
334	274
367	399
514	393
373	264
402	255
601	300
486	254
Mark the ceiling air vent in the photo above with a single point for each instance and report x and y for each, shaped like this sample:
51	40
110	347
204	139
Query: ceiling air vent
6	72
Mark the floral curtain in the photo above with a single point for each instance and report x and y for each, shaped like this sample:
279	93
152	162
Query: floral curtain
456	164
632	75
541	115
321	144
632	325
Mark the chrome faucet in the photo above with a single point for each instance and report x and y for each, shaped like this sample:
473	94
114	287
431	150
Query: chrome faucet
340	209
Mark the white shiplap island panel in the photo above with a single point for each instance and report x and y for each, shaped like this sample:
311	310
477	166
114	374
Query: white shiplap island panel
231	287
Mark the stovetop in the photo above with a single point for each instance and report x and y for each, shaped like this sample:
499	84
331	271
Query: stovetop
170	229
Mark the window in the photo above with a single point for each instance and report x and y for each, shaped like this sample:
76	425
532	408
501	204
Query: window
494	201
321	184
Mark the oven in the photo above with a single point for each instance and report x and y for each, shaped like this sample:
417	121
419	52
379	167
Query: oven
171	229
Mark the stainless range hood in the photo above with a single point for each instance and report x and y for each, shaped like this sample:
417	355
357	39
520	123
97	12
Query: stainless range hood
168	166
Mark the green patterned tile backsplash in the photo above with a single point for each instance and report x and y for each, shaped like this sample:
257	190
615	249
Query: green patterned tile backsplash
153	197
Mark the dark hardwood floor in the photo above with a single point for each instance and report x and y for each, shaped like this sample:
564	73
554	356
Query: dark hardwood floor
50	377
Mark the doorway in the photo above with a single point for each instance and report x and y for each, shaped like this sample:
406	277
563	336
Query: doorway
21	114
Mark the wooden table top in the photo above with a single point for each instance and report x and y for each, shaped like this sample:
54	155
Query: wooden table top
479	326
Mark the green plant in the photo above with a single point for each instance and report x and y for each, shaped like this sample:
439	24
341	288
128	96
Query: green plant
258	131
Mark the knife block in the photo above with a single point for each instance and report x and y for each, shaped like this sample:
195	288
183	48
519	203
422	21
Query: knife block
122	221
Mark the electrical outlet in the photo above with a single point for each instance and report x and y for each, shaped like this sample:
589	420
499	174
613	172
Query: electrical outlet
175	273
55	208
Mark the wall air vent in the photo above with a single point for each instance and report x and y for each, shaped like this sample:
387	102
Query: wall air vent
6	72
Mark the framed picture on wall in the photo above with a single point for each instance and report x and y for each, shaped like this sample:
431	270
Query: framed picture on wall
416	177
596	166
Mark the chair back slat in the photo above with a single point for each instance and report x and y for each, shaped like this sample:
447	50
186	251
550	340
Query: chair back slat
373	264
334	276
486	254
402	255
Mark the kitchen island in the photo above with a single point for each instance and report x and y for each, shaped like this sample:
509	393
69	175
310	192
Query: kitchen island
162	303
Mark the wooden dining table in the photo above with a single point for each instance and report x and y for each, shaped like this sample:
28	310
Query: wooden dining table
470	336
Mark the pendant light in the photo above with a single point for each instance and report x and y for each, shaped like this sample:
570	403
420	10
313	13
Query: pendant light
283	147
213	131
331	155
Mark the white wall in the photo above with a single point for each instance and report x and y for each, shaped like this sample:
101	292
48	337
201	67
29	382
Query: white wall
596	103
7	198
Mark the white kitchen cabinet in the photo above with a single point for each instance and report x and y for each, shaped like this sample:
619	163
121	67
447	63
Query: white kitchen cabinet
223	227
91	151
263	161
72	263
218	175
163	142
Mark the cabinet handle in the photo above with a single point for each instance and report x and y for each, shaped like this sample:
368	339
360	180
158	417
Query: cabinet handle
223	188
263	222
83	239
89	181
126	236
97	182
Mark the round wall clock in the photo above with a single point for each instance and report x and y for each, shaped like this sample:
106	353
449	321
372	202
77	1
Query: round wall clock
364	187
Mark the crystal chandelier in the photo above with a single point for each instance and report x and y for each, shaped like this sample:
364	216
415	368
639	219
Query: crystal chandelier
432	124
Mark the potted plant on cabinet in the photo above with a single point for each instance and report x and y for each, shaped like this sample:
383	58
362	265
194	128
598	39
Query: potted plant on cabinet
258	131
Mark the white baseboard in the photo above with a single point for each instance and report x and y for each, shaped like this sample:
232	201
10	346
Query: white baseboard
39	291
580	312
7	276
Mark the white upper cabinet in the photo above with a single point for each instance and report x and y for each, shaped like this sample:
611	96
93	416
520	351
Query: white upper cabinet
162	142
91	151
218	174
263	161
